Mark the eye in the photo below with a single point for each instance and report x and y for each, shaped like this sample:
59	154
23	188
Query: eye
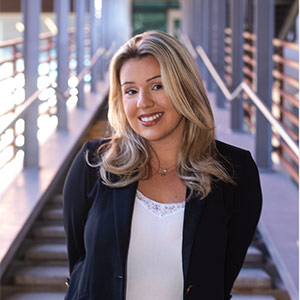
130	92
158	86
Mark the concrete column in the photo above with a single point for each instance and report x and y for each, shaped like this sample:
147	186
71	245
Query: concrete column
199	8
210	33
104	37
237	25
62	10
80	9
185	24
197	32
191	20
31	14
118	31
94	42
120	12
220	17
98	28
205	33
264	30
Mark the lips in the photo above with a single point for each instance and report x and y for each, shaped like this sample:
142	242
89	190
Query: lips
150	119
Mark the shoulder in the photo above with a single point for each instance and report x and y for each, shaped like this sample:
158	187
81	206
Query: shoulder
82	165
241	166
230	151
93	146
232	154
236	160
89	153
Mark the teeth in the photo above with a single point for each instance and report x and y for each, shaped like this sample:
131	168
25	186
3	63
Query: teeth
152	118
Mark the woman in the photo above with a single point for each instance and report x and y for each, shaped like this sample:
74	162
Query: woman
161	210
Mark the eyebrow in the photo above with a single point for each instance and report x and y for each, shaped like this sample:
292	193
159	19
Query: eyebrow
149	79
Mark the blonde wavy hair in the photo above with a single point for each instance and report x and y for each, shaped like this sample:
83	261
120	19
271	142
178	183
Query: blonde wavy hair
125	158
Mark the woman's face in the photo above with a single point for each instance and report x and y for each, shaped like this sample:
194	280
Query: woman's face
146	105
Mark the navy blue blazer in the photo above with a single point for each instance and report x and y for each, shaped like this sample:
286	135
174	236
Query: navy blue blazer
217	230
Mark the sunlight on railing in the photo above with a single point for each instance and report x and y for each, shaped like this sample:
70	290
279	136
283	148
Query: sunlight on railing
13	132
12	91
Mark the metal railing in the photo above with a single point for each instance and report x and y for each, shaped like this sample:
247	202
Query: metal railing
244	87
13	64
12	126
285	96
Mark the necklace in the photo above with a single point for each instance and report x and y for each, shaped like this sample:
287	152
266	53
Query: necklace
165	171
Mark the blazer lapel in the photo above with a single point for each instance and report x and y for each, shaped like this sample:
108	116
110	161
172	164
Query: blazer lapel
193	210
123	201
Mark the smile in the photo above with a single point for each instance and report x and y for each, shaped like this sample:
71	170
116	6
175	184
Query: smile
151	118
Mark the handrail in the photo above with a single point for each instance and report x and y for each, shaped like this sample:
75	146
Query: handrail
246	88
111	49
19	40
24	107
86	69
30	100
285	44
94	59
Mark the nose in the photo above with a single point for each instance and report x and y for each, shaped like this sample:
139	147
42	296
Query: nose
144	100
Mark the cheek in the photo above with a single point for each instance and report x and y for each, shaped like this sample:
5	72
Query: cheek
125	106
164	101
128	107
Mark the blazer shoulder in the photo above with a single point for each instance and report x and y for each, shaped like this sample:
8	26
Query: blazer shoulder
230	151
235	159
84	166
92	147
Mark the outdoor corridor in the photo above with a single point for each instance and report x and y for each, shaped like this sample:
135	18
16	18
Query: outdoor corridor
64	81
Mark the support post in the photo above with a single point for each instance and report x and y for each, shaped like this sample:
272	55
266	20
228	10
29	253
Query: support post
201	65
264	30
196	26
80	37
185	23
94	43
115	32
62	10
31	15
237	17
220	15
210	33
98	29
205	33
105	36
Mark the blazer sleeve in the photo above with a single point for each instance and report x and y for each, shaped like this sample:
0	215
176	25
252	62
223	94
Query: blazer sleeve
243	222
76	204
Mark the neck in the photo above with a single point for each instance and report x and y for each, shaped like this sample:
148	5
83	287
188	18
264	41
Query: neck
165	155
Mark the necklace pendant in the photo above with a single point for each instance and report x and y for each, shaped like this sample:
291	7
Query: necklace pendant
164	172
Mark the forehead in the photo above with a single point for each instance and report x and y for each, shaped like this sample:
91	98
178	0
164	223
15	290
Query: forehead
146	66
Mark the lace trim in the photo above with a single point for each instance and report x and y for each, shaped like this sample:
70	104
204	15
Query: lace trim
157	208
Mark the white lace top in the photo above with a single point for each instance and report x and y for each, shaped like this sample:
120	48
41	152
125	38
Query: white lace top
154	265
157	208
